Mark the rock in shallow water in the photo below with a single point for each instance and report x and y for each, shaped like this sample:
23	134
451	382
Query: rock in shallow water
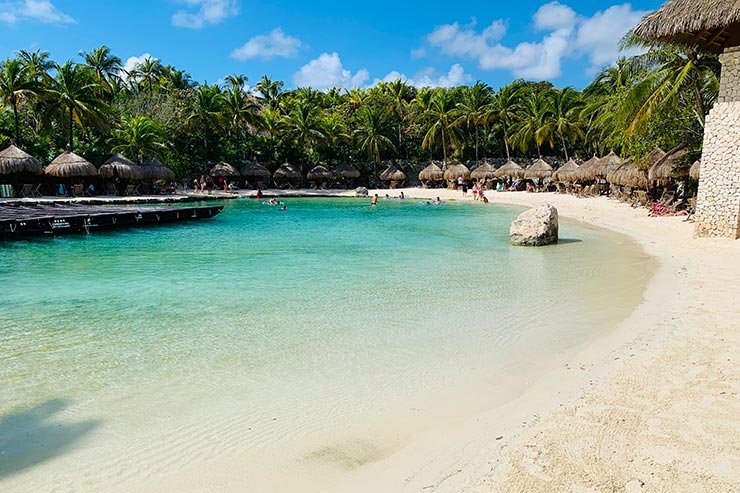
535	227
360	192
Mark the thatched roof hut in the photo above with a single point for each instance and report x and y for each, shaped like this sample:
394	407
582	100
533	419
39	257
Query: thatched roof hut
610	162
153	169
628	174
287	172
510	170
392	173
346	171
652	157
121	166
695	169
456	171
590	170
68	164
320	173
431	173
670	166
539	170
708	25
483	172
566	172
15	160
254	170
222	168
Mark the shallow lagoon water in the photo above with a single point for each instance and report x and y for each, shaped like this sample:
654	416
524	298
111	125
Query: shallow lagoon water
236	334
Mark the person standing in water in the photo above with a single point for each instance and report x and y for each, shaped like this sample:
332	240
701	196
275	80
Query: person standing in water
374	201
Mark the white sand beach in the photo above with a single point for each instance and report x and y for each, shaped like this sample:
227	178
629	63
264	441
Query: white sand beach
652	406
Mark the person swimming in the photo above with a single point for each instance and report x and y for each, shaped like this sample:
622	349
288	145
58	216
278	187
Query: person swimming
437	201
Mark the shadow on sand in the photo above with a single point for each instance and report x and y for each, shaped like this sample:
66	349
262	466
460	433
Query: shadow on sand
565	241
35	435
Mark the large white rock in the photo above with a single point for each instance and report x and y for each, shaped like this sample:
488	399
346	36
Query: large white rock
535	227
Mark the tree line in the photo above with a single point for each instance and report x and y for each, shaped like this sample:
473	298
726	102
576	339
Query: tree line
660	98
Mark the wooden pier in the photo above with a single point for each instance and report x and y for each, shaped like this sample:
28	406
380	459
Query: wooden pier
23	221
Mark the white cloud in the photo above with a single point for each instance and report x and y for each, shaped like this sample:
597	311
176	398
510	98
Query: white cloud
326	72
34	10
566	35
133	61
208	12
454	77
267	46
418	52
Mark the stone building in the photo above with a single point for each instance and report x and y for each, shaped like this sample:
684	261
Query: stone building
711	26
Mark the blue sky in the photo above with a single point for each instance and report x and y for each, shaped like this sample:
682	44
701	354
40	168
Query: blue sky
333	43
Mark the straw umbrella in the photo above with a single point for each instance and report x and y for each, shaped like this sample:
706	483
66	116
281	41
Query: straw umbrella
653	157
566	172
393	175
510	170
670	166
346	171
588	171
69	165
120	165
153	169
457	170
628	174
320	174
695	169
483	172
608	163
224	169
430	174
254	172
287	173
15	160
538	171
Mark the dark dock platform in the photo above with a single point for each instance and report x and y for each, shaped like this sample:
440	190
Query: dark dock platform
23	221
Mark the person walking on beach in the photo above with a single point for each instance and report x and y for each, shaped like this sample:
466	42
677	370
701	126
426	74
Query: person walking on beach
460	182
202	184
475	192
374	201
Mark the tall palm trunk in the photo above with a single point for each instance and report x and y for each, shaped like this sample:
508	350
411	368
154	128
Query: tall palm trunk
476	143
71	133
15	122
506	143
444	148
565	149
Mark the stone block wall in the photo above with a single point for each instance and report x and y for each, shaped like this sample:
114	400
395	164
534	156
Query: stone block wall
718	201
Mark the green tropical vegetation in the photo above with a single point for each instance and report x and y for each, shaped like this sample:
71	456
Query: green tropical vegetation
660	98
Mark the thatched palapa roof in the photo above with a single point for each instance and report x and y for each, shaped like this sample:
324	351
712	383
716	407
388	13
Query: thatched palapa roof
456	171
15	160
345	170
709	25
287	172
153	169
539	170
510	170
566	172
392	174
431	173
670	166
628	174
596	168
222	168
320	173
695	170
68	164
121	166
483	172
253	169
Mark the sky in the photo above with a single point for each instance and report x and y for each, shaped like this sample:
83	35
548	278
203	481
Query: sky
334	43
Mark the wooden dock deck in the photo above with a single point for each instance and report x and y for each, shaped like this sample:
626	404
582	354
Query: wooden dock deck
23	221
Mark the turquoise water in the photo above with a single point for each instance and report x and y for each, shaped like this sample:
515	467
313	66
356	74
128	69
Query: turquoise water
276	323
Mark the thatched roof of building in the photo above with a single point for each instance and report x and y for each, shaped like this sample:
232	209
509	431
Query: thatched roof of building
709	25
222	168
510	170
456	171
392	174
68	164
652	157
253	169
539	170
16	160
591	170
671	165
345	170
628	174
121	166
431	173
153	169
695	169
483	172
287	172
566	172
320	173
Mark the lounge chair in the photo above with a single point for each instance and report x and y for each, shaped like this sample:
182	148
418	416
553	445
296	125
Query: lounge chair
78	190
110	189
132	190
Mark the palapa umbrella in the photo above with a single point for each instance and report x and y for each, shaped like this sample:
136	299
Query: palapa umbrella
695	169
457	170
431	173
254	170
319	173
608	163
539	170
346	171
68	164
153	169
653	157
15	160
222	168
510	170
287	172
670	166
588	171
566	173
120	165
483	172
392	173
628	174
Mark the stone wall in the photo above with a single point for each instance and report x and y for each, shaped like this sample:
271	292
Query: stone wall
718	201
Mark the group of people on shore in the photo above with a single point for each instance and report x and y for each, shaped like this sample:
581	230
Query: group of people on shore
206	183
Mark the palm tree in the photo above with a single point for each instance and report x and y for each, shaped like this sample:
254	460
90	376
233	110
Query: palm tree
75	91
38	63
16	83
240	109
441	116
147	72
205	112
173	79
502	110
530	119
106	66
473	109
304	127
398	91
270	121
369	134
138	137
270	91
561	118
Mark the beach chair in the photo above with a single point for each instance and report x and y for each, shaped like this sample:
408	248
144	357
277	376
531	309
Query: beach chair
641	199
78	190
27	190
132	190
110	189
